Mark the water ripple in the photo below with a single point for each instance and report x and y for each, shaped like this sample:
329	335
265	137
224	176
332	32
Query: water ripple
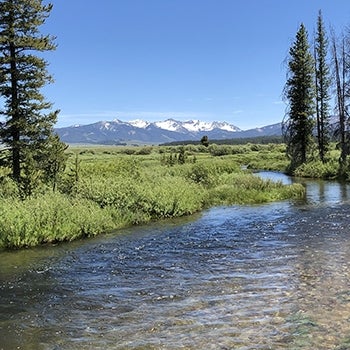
275	276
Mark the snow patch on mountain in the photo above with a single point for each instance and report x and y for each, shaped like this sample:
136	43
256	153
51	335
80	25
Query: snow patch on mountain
169	124
139	123
197	125
105	125
225	126
194	126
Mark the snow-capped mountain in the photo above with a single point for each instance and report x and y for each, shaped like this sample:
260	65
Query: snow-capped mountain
194	126
171	125
138	123
169	130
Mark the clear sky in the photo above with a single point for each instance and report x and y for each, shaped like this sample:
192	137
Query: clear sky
213	60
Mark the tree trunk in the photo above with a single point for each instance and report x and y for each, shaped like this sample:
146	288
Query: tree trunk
15	132
340	102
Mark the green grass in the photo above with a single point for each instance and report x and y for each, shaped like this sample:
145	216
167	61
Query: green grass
105	188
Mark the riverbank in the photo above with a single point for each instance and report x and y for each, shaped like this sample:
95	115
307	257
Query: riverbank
104	189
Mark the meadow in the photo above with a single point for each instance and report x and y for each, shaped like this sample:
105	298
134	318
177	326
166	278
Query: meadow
107	188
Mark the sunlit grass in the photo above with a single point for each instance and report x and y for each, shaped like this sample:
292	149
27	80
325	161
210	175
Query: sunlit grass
105	188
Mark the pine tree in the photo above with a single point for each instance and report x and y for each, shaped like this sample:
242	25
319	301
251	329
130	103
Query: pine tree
181	159
299	91
322	85
28	121
205	141
53	160
340	57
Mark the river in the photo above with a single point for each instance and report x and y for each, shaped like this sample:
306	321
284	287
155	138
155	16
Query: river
273	276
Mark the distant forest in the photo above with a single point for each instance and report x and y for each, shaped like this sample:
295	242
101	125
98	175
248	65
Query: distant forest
236	141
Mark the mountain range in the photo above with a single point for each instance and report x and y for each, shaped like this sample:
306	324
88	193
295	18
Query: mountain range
170	130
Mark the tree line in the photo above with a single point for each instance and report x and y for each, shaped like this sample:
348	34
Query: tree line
317	72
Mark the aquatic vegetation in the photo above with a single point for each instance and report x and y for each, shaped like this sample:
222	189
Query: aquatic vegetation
303	326
345	344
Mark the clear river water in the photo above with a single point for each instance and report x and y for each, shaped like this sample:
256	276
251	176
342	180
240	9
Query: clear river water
273	276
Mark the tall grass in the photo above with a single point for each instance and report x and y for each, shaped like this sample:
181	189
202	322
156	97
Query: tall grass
249	189
49	218
104	190
318	170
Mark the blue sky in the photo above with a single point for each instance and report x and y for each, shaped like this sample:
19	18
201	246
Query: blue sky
219	60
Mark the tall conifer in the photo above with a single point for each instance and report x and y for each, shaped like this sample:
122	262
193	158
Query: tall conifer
322	84
28	119
340	58
299	92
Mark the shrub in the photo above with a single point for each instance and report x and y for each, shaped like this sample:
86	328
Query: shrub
8	188
128	150
171	197
144	150
203	175
317	169
221	150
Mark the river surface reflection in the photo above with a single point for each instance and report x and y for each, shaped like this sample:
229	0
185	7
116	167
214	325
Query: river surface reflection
273	276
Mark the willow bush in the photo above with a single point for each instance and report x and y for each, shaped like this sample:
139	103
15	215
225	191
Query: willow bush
318	170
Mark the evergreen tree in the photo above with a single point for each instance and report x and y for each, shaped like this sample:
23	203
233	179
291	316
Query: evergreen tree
28	121
341	62
205	141
181	159
53	160
322	85
299	91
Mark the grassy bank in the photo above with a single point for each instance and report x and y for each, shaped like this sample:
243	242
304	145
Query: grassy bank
106	188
